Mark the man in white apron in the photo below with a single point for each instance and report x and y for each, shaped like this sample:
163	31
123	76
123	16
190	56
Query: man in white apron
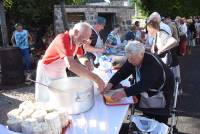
96	47
60	55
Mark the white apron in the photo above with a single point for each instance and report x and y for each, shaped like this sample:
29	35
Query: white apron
99	44
45	74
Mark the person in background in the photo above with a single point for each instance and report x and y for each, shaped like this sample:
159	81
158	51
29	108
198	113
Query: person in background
191	34
142	66
162	41
155	16
20	38
148	39
130	35
175	67
65	51
183	37
113	39
137	24
95	48
138	32
197	26
148	42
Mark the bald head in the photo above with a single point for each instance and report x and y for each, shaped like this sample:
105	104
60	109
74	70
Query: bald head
82	27
81	33
155	16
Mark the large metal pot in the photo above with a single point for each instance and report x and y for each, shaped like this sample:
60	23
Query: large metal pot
76	94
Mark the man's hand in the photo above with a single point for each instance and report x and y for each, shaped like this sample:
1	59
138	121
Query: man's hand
89	65
118	96
101	85
102	50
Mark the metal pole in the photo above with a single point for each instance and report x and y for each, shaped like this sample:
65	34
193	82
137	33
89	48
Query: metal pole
62	5
3	25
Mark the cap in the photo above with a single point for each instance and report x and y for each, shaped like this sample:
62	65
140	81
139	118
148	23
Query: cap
100	20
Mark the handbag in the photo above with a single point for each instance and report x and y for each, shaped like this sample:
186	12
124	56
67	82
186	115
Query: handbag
157	100
168	58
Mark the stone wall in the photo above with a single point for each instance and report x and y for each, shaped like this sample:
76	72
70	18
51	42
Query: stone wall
120	3
123	14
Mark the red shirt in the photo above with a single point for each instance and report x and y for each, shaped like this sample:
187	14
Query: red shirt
59	48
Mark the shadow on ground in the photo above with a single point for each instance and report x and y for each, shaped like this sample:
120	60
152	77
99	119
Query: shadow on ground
188	104
7	104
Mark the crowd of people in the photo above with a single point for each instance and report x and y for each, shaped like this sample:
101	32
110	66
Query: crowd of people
152	55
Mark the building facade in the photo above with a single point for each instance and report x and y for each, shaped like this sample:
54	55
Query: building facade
114	14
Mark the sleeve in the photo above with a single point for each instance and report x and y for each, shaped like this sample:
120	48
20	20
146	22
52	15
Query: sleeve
93	38
164	37
128	35
80	51
125	71
149	76
111	39
63	46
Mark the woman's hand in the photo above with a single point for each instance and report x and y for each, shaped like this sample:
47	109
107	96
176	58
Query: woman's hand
108	87
119	95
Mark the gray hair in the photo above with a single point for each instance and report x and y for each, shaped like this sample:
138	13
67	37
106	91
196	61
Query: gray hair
82	26
134	48
155	16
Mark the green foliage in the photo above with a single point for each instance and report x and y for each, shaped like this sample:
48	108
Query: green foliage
75	2
34	12
7	3
170	7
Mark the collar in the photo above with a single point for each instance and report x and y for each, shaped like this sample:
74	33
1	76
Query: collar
70	40
71	44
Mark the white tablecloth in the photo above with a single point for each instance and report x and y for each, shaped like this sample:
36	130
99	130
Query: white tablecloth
101	119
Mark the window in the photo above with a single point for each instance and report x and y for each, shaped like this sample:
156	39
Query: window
75	17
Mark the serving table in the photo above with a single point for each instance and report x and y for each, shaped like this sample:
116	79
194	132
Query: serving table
100	119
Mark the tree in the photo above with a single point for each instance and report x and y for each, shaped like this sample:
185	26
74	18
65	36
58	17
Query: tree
34	13
170	7
3	25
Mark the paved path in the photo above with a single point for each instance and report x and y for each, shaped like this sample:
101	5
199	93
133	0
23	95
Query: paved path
189	102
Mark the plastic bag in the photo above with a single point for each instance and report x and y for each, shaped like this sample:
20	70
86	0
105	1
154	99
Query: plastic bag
149	125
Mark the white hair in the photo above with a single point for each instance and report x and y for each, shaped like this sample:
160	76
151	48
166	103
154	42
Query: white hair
82	27
155	16
134	48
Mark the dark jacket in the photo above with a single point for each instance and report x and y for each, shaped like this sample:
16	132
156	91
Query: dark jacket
151	77
93	38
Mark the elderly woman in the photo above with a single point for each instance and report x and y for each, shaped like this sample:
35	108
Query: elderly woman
148	74
113	38
162	43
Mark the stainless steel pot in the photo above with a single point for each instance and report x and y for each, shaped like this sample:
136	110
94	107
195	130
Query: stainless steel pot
76	94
